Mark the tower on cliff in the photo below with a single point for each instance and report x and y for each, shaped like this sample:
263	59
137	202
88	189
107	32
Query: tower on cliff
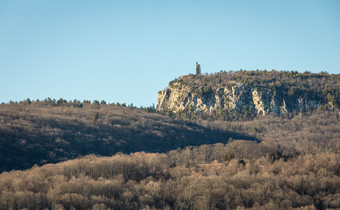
198	68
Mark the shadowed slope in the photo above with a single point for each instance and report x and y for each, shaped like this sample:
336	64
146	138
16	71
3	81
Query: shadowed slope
38	133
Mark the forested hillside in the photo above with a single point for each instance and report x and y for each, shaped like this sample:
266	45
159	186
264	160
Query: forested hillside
50	131
181	179
231	140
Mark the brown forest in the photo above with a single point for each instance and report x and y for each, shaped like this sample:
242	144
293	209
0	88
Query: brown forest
181	179
52	131
94	155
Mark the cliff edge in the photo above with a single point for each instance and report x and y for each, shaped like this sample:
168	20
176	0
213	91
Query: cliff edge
250	93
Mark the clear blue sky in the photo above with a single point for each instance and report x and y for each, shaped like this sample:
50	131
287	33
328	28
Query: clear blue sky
126	50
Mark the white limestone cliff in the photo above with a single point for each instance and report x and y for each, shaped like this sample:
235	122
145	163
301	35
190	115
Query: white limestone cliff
235	96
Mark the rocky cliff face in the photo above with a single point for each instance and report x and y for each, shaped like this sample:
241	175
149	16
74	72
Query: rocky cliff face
233	96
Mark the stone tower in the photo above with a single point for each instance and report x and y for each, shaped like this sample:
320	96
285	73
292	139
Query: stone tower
198	68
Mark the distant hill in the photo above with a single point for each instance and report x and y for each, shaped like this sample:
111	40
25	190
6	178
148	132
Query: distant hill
249	139
301	116
246	94
51	131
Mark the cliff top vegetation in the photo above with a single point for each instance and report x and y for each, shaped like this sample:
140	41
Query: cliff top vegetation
319	86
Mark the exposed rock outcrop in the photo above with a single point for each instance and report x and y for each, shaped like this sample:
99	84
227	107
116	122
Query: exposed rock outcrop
233	96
